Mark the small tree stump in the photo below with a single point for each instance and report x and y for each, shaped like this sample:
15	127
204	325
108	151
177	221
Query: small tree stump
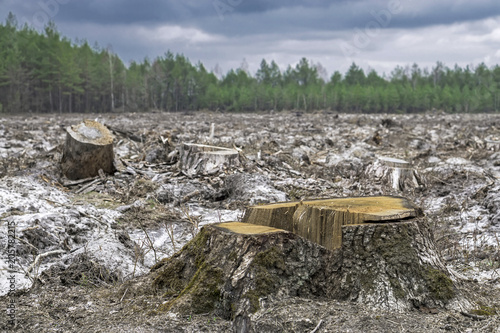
492	143
196	159
88	148
395	173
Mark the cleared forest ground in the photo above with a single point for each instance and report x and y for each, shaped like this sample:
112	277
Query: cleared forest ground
104	234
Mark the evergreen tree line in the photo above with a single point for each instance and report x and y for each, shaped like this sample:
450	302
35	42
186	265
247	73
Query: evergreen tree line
46	72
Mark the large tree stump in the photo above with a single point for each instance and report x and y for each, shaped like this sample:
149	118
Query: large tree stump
321	221
88	148
395	173
395	266
196	159
388	256
228	267
231	269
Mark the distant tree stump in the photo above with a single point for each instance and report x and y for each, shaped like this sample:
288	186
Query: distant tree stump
88	148
492	143
395	173
196	159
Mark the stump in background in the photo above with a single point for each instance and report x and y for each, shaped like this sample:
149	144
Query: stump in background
395	173
88	148
195	159
492	143
321	221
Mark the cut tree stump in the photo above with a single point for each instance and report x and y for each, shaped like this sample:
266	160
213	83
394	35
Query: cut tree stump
492	143
228	267
321	221
395	266
231	269
196	159
395	173
88	148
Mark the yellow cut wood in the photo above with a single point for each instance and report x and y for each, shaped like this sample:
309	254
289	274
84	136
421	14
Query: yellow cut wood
321	221
246	228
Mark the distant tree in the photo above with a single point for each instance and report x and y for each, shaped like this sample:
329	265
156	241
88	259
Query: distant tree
354	76
46	72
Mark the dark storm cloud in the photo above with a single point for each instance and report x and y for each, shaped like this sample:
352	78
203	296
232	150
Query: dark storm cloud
242	17
299	16
226	31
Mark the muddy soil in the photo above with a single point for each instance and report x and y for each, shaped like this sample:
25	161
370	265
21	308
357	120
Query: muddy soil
84	249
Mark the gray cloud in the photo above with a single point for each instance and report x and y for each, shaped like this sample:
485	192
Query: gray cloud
226	31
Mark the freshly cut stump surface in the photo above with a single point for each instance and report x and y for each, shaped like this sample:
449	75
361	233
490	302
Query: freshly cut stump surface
245	228
88	148
321	221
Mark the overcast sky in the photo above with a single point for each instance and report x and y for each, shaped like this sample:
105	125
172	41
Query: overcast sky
378	34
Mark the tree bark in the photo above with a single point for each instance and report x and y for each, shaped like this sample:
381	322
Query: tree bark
88	148
394	266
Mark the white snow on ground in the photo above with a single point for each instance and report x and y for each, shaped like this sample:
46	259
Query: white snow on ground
183	232
32	204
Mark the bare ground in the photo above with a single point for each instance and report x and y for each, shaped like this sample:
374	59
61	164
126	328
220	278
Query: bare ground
113	230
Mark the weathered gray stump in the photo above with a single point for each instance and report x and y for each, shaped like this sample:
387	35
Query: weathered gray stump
196	159
395	173
88	148
492	143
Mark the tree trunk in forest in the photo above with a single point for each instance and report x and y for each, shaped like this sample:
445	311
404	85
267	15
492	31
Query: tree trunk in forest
70	109
88	148
195	159
60	99
51	101
111	77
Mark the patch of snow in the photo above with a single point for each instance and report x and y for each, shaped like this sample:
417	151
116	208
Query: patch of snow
36	207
